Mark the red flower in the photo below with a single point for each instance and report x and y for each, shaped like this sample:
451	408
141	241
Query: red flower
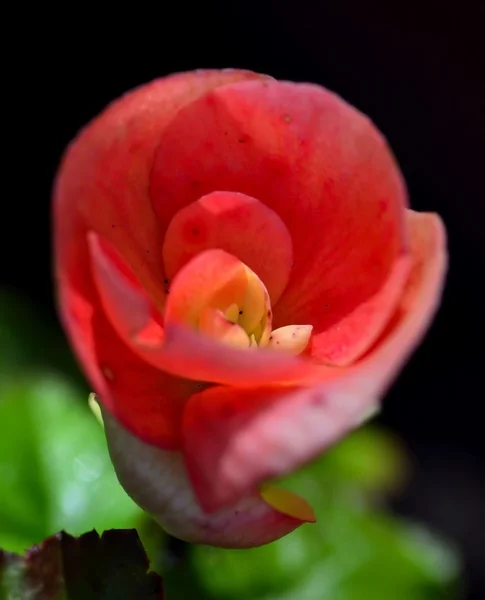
241	279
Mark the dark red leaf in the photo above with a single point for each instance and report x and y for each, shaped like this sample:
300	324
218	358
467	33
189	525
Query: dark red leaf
111	567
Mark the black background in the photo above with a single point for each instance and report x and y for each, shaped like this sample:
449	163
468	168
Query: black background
416	68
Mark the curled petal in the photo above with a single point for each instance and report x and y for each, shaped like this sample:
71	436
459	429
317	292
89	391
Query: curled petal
348	338
256	305
234	438
213	323
213	278
238	224
187	353
158	482
130	310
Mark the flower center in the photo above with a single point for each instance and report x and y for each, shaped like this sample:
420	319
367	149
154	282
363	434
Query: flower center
249	323
224	299
243	318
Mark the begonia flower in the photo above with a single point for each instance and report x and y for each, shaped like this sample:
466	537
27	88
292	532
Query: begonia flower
241	279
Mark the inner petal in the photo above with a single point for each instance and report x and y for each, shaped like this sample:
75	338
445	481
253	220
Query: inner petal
254	310
238	224
222	298
213	278
213	323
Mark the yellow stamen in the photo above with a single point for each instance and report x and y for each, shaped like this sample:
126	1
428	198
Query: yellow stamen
238	312
292	339
232	313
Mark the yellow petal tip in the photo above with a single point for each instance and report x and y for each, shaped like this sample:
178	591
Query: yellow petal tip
288	503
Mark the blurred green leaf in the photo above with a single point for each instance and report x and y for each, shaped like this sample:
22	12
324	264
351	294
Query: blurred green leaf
354	552
371	459
348	555
55	471
370	556
111	567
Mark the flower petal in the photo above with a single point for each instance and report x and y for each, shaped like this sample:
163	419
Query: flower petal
325	170
127	306
234	439
347	339
241	226
145	399
158	482
187	353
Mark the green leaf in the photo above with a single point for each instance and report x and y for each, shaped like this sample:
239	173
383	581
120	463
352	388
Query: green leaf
111	567
371	556
55	471
348	555
371	459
